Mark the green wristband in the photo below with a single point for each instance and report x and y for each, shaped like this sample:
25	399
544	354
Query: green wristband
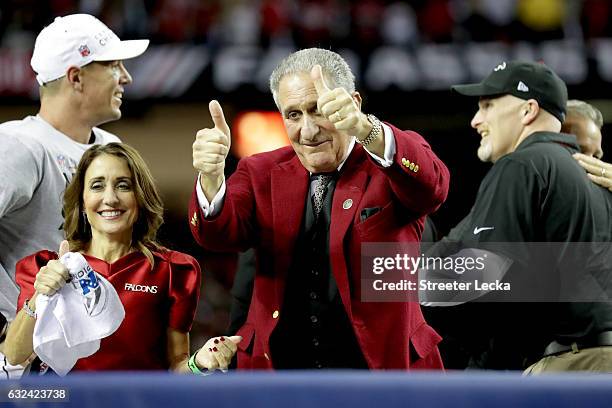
194	368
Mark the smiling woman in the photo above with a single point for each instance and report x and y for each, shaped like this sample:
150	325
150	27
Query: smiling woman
108	200
113	212
112	203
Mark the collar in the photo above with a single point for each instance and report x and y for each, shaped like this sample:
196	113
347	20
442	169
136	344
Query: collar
90	142
550	137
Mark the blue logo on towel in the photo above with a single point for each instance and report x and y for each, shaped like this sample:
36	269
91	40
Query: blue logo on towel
88	280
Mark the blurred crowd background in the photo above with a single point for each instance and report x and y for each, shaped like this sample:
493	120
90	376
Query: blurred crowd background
405	55
359	24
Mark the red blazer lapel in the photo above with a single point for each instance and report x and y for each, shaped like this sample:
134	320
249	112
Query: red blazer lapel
349	190
289	189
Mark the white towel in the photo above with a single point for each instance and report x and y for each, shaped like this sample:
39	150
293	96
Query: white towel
70	323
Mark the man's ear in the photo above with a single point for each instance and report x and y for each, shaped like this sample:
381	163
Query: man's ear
357	99
529	111
74	77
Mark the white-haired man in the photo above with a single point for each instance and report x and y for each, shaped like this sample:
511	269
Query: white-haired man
346	179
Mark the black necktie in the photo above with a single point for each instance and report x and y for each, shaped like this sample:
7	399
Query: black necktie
320	183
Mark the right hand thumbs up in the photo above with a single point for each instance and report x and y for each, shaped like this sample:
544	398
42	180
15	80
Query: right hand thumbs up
212	145
211	148
216	112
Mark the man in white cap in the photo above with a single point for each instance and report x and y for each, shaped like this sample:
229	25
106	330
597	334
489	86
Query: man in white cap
78	65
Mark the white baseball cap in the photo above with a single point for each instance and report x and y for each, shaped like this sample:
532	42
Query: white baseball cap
77	40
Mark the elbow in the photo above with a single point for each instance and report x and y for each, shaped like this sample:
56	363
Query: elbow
433	195
15	351
14	357
439	193
13	361
439	197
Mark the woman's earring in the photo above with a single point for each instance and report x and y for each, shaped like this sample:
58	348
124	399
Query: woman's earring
85	223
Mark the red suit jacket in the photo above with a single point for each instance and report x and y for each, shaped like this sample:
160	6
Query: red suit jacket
263	208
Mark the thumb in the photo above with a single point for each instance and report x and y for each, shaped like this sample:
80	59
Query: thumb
316	74
64	248
216	112
235	339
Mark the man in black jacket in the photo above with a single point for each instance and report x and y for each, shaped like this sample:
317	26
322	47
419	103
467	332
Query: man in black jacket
535	193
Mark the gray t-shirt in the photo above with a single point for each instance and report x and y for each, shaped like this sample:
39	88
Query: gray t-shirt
36	164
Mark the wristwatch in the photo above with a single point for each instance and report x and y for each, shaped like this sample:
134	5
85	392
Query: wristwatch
374	133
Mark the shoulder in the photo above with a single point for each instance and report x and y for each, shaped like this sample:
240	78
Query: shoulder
258	167
542	159
39	259
406	137
103	137
264	160
515	170
21	151
515	162
176	258
22	137
20	125
28	128
546	145
399	132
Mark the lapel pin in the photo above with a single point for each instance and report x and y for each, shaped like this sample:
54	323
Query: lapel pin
348	203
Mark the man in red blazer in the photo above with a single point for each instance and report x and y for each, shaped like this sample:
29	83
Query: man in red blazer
348	179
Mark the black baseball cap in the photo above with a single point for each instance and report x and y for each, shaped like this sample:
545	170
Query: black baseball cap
525	80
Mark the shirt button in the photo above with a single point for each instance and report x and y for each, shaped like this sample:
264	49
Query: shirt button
313	295
275	314
314	319
315	342
315	272
318	365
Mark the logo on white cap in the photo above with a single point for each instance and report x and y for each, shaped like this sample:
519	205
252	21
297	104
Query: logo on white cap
522	87
84	51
